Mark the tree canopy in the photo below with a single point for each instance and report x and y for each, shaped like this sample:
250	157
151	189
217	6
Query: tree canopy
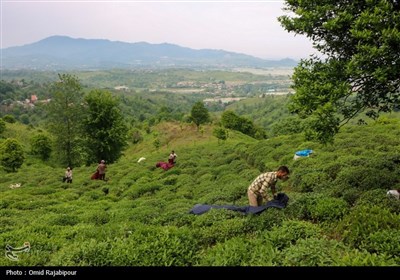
199	114
65	117
232	121
359	70
11	155
104	126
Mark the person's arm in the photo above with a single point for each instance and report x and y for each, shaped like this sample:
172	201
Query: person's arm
273	189
263	189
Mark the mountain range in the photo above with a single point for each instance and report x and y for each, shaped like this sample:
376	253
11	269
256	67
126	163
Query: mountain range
66	53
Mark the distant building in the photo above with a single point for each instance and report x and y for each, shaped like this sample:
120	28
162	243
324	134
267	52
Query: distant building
223	100
33	98
121	88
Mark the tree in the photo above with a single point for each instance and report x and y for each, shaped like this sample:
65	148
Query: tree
106	133
11	155
41	146
360	69
232	121
199	114
2	126
65	112
221	133
9	118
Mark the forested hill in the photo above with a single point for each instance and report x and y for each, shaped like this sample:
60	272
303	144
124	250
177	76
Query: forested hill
338	213
65	53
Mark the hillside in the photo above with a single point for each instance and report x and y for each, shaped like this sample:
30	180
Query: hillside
65	53
338	213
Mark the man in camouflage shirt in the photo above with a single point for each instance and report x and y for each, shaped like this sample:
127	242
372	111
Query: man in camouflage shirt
257	191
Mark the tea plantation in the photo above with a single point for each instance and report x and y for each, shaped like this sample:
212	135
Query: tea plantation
338	213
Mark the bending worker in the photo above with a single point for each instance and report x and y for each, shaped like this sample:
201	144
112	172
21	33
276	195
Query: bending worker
258	190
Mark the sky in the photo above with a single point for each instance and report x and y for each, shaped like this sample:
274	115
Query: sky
248	27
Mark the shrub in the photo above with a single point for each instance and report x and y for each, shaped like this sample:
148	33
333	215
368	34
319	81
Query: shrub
378	197
155	246
41	146
140	189
220	133
301	208
357	226
311	252
170	180
332	169
136	136
90	252
9	119
65	220
219	231
365	178
311	181
323	252
363	258
11	155
328	209
239	251
383	242
2	126
290	232
351	196
99	218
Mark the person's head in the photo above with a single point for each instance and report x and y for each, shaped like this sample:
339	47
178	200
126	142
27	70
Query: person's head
283	172
68	168
172	152
102	161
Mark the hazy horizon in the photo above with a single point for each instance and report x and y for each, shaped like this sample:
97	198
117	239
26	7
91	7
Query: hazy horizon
247	27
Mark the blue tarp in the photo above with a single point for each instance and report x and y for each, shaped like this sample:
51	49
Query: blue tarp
303	153
280	201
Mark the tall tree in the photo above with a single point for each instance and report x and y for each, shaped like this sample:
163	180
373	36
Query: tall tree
11	155
65	119
104	126
41	146
199	114
359	70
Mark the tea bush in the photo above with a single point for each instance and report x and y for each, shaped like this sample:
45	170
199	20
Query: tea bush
362	221
311	252
239	251
301	207
328	209
290	232
65	220
311	181
140	189
378	197
139	217
383	242
363	258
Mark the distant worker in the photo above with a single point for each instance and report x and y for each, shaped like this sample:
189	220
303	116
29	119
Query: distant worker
394	193
172	157
101	168
68	175
258	190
